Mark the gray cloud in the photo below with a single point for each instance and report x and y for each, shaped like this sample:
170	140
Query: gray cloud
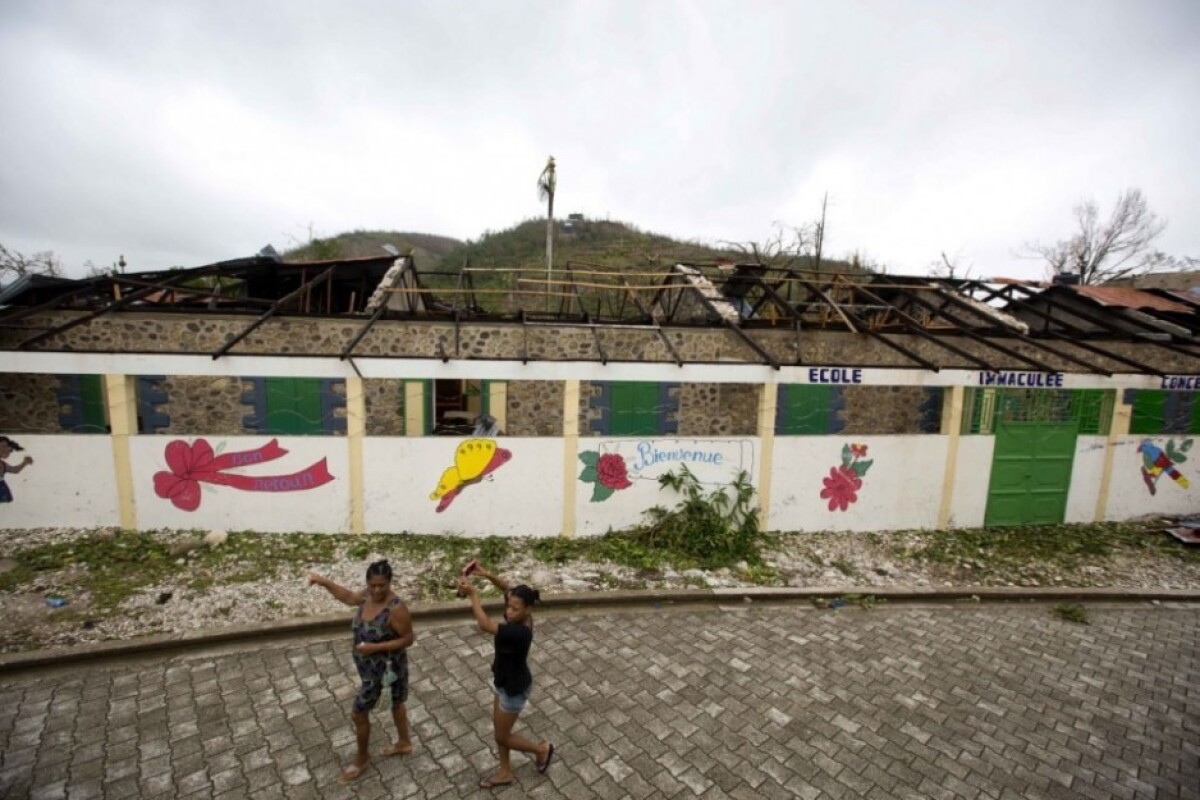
186	133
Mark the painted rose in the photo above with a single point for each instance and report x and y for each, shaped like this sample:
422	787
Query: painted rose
611	471
841	488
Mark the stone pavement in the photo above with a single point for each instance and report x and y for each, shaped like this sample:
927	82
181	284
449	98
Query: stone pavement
954	701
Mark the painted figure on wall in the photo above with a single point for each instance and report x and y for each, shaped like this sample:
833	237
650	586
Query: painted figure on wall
474	460
1156	462
196	463
7	448
845	480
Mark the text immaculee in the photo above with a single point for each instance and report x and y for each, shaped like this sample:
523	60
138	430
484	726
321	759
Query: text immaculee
1047	380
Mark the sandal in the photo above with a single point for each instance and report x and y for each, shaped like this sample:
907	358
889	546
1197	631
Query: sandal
549	757
351	774
396	750
488	782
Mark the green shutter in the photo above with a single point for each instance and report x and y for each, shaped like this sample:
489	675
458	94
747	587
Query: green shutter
1149	412
633	408
294	406
91	402
805	409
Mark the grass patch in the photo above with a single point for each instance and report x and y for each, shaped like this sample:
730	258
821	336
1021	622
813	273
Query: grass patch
1072	612
1036	553
708	530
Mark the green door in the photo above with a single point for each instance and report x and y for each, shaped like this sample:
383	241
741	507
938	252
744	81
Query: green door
633	409
294	406
1031	473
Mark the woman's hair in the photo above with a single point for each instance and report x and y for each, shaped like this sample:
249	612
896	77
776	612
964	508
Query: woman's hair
16	448
528	595
380	568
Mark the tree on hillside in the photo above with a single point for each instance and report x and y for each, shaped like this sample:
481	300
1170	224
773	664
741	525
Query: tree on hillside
14	264
790	245
547	183
950	267
1104	250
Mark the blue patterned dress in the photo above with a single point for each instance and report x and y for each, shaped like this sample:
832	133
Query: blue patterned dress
373	668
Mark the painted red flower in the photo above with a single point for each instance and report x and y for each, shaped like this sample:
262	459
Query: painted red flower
187	462
858	450
841	488
611	471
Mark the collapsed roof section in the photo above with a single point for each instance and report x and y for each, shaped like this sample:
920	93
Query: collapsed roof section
1009	322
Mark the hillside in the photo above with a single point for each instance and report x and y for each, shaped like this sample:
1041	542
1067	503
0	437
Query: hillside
596	242
427	248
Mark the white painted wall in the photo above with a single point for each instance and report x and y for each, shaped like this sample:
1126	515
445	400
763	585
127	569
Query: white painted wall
523	497
70	483
715	461
901	490
323	509
971	479
1128	495
1085	478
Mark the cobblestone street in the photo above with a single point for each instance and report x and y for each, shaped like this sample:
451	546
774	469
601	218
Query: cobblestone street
954	700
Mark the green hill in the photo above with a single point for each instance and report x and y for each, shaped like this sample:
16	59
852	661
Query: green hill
426	248
582	241
598	242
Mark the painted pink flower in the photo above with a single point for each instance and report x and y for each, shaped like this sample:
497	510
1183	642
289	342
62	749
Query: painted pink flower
858	450
611	471
841	488
189	464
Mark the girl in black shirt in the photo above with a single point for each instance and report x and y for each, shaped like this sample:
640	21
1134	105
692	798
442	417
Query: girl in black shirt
512	683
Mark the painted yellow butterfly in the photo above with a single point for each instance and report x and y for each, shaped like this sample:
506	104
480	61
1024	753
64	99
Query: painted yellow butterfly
473	460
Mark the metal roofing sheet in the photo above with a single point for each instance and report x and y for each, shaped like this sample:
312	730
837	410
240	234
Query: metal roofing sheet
1124	297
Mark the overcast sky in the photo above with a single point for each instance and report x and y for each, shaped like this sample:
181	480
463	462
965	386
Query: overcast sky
183	133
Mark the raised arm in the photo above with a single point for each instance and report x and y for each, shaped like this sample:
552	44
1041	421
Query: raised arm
485	623
25	463
496	580
339	592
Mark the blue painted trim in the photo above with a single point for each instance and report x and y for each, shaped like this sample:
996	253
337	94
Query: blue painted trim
601	401
837	404
254	394
931	409
68	395
150	394
667	404
331	423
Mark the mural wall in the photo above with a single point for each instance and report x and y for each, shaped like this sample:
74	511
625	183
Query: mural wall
262	483
617	478
832	483
1155	475
509	486
514	486
69	482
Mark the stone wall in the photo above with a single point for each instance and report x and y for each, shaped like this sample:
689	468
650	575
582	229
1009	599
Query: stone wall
199	404
28	404
162	332
882	409
718	409
535	408
385	408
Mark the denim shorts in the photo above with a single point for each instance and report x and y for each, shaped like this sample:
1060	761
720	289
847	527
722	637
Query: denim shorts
512	703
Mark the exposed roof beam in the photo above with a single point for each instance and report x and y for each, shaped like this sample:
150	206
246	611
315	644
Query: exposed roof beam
274	309
914	325
658	328
859	326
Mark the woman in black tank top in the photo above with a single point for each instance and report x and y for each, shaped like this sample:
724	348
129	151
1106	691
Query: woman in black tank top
512	682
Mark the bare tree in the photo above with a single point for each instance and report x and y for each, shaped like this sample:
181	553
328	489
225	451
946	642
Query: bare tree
14	264
950	266
1102	251
790	245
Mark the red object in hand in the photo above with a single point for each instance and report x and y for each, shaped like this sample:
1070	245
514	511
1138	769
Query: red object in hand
470	568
